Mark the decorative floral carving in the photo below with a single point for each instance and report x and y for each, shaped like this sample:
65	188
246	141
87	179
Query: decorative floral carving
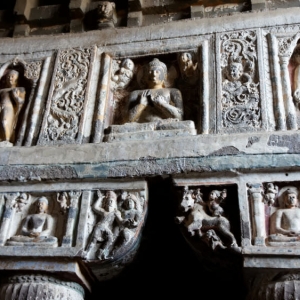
68	97
285	46
33	70
240	95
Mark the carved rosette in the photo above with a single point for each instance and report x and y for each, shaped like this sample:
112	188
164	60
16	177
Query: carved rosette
240	103
68	99
40	287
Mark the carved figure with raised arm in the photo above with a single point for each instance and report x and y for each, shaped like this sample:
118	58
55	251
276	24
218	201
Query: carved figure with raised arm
156	102
110	217
36	228
12	99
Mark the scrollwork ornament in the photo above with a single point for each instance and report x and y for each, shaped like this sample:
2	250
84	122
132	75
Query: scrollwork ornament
69	95
240	94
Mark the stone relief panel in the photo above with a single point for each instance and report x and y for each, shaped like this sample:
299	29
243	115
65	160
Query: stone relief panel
20	83
115	222
240	99
39	219
204	215
65	115
275	214
152	97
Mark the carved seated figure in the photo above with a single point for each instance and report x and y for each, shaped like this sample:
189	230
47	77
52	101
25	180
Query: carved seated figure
158	109
156	102
12	99
285	222
36	228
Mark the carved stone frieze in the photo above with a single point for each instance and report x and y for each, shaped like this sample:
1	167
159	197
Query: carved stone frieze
118	220
36	219
240	103
66	107
275	214
204	220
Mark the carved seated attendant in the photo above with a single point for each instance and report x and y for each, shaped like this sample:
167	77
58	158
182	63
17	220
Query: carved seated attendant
285	222
12	99
36	228
155	103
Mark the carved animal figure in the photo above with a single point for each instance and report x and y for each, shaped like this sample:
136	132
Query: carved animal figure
198	221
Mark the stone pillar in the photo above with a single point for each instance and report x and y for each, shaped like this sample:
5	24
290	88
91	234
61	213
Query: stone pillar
276	84
255	193
37	286
291	120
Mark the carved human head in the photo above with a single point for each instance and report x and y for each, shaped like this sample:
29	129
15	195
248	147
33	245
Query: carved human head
157	73
290	198
42	205
186	60
12	77
130	201
214	194
105	9
110	201
128	64
235	71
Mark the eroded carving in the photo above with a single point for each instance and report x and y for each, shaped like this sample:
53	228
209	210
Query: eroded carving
12	99
117	229
36	228
204	219
188	68
123	73
271	191
106	14
63	200
21	200
67	103
240	96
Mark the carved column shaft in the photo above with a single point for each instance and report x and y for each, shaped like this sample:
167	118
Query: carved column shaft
291	120
103	94
276	84
205	88
35	117
258	210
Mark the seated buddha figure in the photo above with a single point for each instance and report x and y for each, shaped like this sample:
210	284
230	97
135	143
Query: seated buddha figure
36	228
156	102
285	222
